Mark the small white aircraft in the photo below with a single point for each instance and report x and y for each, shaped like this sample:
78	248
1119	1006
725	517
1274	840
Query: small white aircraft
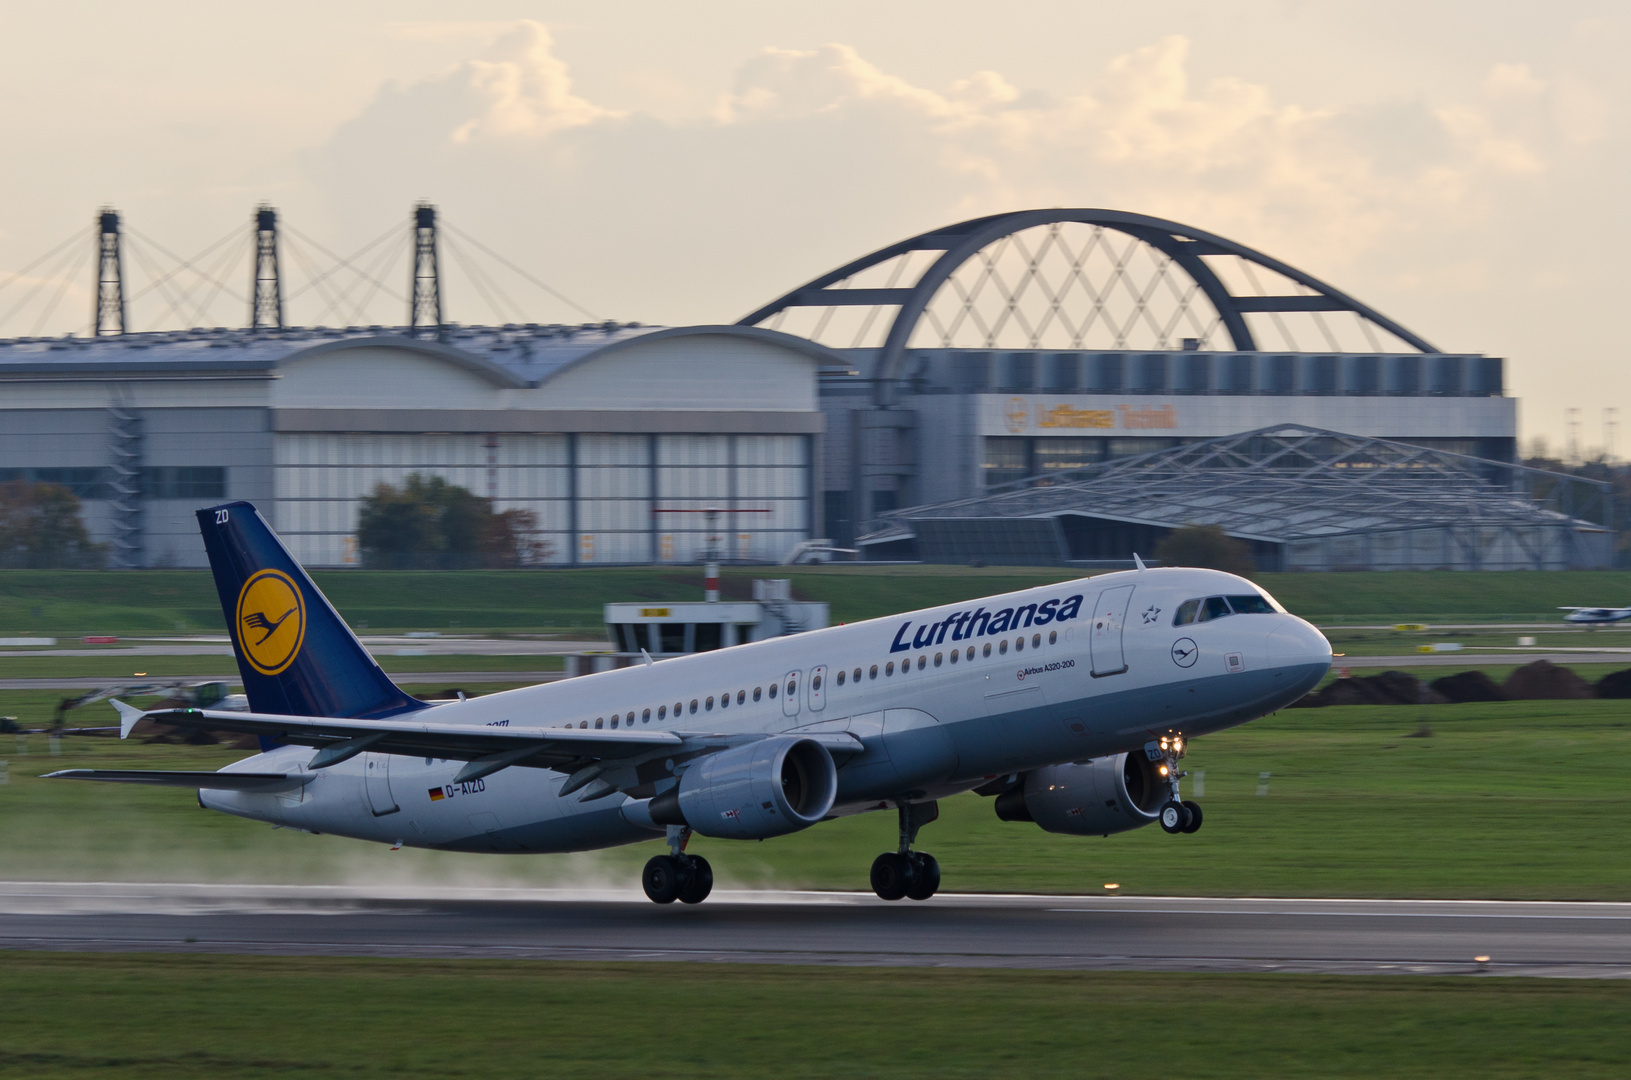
1596	616
1071	705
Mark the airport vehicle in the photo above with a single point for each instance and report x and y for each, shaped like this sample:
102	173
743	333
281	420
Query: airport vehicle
1596	616
1070	704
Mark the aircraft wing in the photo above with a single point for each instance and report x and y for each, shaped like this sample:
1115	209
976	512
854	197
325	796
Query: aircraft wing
215	781
413	737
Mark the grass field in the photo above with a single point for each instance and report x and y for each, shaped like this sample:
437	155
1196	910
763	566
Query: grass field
71	604
196	1016
115	666
1511	800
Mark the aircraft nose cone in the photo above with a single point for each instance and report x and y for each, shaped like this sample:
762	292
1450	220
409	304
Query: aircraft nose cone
1297	642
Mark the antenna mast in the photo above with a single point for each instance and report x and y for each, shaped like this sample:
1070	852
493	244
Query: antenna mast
266	284
109	314
425	290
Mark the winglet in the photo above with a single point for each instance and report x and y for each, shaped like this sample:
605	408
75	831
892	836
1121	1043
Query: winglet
1137	562
128	715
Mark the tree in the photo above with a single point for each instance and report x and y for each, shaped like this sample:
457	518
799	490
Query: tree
40	529
429	523
1207	546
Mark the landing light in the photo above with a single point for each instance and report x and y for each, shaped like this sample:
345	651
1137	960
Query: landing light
1163	770
1112	886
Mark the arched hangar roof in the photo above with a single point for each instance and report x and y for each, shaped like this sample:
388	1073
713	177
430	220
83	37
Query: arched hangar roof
1186	247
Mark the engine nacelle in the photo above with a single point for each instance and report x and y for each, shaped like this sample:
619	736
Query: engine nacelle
1093	798
766	788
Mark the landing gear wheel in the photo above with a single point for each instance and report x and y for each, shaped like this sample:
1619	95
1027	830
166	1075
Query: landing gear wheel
1174	816
925	876
892	875
1194	809
663	878
701	882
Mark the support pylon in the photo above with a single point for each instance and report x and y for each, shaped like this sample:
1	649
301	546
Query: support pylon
266	282
108	316
425	287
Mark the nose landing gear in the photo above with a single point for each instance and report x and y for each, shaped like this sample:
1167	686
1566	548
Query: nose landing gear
678	876
1177	815
907	873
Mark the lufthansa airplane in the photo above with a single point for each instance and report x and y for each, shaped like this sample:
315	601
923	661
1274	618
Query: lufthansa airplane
1071	705
1595	616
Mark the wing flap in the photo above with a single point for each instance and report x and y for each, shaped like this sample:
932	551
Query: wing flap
217	781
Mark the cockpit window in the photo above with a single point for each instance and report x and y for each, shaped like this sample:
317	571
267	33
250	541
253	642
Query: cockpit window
1251	605
1213	607
1186	613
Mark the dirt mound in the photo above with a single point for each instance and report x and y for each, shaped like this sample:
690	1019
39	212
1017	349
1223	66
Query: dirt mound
1616	684
1545	681
1473	686
1388	688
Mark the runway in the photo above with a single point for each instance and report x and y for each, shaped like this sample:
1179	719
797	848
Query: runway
1571	940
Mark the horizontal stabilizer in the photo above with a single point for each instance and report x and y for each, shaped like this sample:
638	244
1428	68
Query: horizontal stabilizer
215	781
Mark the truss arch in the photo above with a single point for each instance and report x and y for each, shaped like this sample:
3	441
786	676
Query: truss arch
1016	280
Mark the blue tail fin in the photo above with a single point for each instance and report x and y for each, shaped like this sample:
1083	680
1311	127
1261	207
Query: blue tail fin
296	655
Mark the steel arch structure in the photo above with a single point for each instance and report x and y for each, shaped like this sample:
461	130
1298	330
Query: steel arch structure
1186	246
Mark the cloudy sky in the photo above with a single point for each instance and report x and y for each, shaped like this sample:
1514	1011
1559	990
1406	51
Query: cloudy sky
1460	166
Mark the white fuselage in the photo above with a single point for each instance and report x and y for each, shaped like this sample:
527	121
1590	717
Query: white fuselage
941	699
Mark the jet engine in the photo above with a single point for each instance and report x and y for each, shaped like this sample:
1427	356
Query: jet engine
1091	798
766	788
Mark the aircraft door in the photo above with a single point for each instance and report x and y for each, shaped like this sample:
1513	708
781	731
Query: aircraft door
790	693
818	688
1109	616
376	769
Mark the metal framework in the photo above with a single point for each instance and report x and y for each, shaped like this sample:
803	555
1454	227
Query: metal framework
425	284
266	278
1304	488
108	316
1181	268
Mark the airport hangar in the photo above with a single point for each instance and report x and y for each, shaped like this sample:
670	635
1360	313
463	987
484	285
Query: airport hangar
937	369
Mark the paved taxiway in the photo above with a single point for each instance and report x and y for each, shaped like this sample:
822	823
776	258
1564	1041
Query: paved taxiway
1097	932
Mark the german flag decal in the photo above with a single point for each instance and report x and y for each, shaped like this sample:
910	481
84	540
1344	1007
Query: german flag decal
437	793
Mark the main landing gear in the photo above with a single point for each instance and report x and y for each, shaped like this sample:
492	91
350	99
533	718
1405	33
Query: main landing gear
1177	815
678	876
908	873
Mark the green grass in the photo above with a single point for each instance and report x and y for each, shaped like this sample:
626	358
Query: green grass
75	603
124	667
1515	800
208	1016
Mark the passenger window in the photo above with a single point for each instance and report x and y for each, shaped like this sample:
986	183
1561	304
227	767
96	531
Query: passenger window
937	659
725	700
889	668
600	722
1186	613
922	662
1019	644
1053	637
741	696
954	656
693	706
708	706
986	652
792	687
583	723
874	673
815	683
772	691
755	693
1250	605
971	652
1036	641
676	708
629	719
645	716
614	722
857	675
1002	647
840	678
1214	607
662	712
